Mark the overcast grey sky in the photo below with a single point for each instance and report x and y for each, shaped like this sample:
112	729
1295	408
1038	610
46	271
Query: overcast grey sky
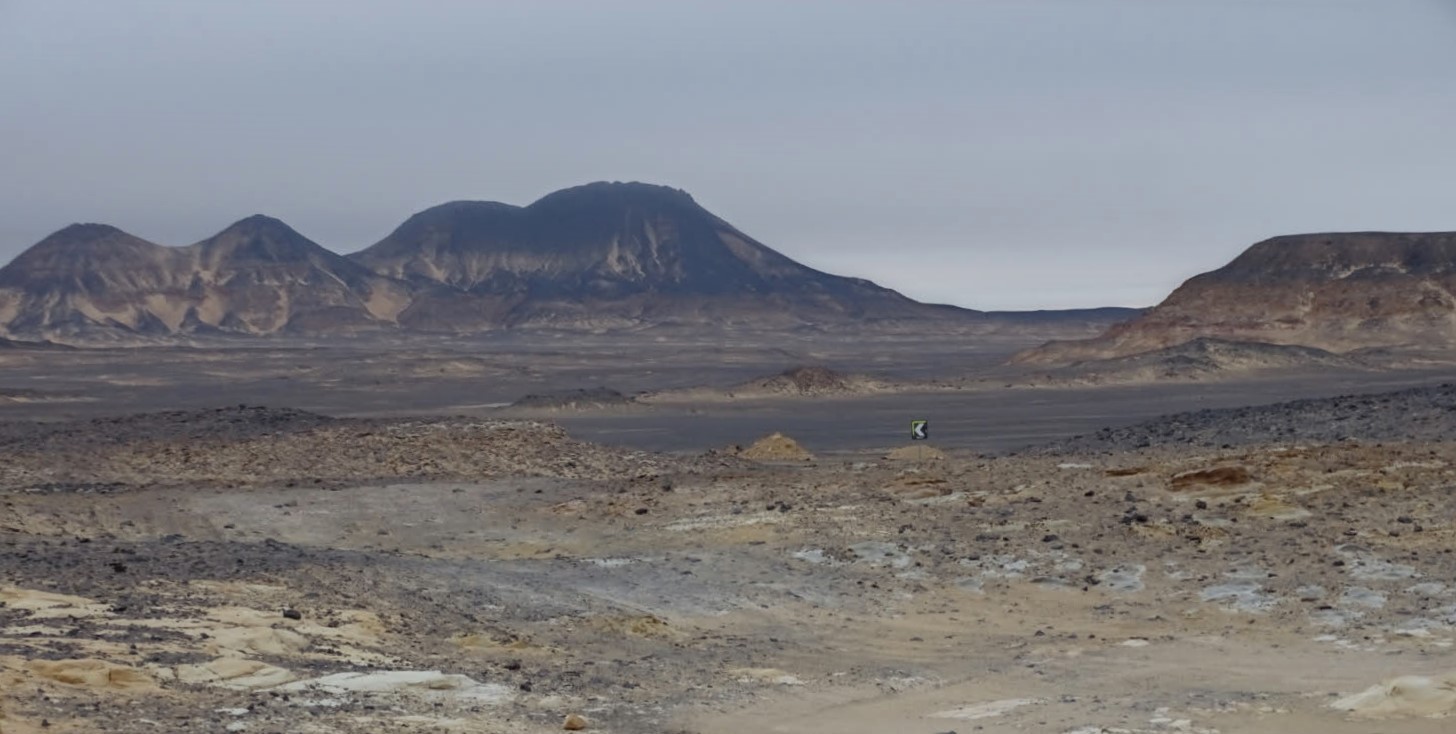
992	154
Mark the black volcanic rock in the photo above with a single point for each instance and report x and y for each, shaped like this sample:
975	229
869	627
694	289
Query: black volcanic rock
610	254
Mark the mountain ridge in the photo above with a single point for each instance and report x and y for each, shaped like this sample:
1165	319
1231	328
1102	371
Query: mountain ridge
603	255
625	251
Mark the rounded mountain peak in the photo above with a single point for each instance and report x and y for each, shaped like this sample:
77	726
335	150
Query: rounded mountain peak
258	237
616	194
84	231
83	245
82	251
257	223
88	237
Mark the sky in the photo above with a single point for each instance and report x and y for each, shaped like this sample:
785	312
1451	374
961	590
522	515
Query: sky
995	154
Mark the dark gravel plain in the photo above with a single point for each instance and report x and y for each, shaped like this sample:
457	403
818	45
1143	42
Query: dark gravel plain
1414	414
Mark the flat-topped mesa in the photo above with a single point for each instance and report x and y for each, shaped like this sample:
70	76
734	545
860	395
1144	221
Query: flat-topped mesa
1338	292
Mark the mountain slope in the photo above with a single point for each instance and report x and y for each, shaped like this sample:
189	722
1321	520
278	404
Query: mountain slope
1331	291
611	254
603	255
89	275
258	276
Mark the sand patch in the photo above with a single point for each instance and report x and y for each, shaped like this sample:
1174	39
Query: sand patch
913	485
1223	476
987	710
235	673
772	676
95	674
485	641
916	452
725	522
45	605
1127	471
1407	695
776	447
424	682
248	641
636	626
1276	508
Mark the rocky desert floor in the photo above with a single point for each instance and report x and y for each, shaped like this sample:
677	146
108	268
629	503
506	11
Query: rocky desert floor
252	569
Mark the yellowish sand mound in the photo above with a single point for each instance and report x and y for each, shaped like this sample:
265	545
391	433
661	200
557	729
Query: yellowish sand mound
235	673
916	452
1407	695
1222	476
777	447
92	674
46	605
257	641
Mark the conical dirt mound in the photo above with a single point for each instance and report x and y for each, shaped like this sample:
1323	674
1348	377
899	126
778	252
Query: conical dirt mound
777	447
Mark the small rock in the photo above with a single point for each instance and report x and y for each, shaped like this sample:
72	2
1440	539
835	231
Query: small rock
292	614
574	722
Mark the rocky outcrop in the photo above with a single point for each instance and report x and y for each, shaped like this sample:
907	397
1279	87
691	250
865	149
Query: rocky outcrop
1337	292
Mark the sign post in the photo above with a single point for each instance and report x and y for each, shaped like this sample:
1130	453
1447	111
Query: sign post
919	431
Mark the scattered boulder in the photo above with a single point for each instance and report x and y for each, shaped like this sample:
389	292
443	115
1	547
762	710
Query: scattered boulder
574	722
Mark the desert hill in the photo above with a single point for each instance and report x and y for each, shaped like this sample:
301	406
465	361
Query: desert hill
602	255
1337	292
1203	358
258	276
804	381
611	254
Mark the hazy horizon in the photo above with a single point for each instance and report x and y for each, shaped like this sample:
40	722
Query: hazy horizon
1024	154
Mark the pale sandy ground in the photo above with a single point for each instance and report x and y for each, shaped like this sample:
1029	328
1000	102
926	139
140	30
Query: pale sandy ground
966	594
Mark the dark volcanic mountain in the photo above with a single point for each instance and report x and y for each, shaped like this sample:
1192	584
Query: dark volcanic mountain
1331	291
611	254
256	277
260	276
604	255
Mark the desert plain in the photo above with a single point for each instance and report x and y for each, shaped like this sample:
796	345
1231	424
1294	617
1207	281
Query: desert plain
384	537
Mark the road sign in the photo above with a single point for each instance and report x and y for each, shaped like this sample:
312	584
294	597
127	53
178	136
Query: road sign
919	430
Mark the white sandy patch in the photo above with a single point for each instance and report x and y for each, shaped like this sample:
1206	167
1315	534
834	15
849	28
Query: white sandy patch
714	522
1407	695
986	710
427	682
45	605
234	673
765	675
